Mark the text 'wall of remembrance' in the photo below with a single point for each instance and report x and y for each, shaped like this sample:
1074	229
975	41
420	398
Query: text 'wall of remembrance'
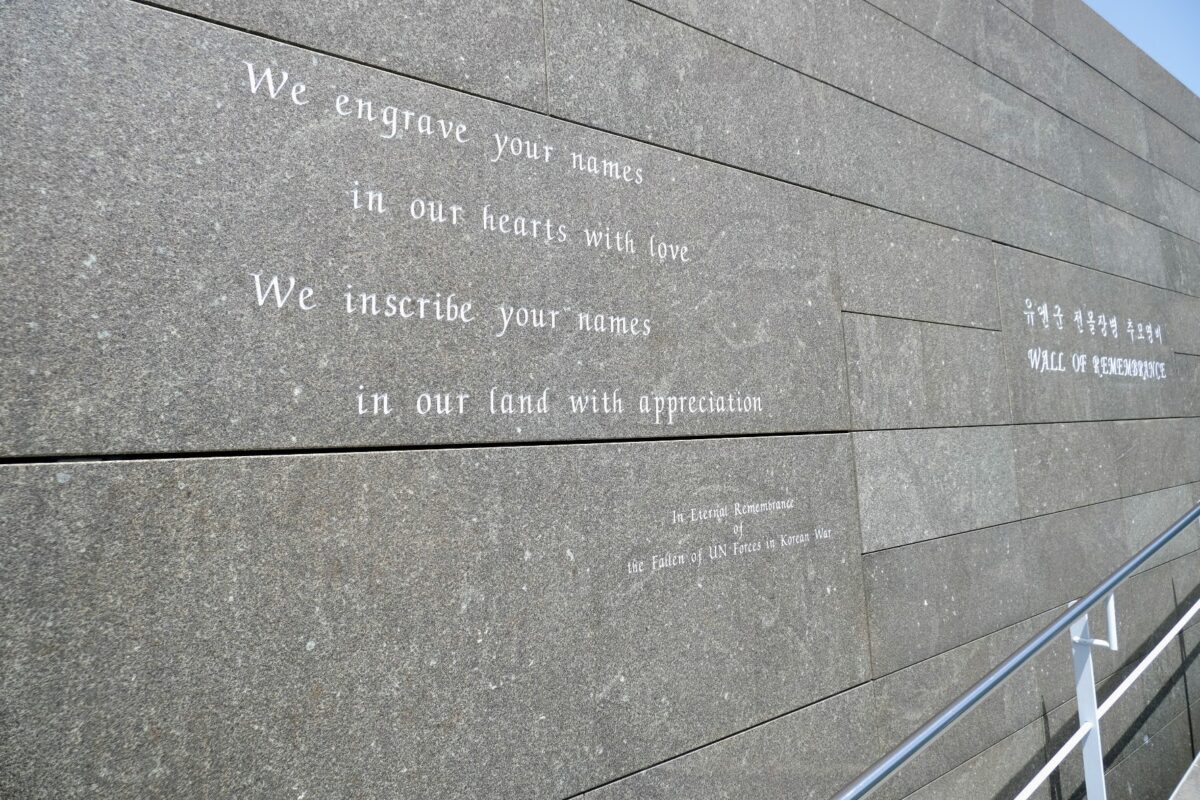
557	399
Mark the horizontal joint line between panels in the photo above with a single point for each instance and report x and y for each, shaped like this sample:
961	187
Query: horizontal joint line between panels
1127	658
400	448
923	321
1003	243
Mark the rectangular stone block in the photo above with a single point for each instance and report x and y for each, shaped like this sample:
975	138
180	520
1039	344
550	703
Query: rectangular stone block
1129	246
1183	263
873	55
925	598
1185	399
1155	454
273	268
906	374
1079	29
1165	94
1082	345
1173	149
1030	212
922	484
1007	45
1185	323
895	266
258	625
1065	465
836	737
1179	205
494	49
1113	175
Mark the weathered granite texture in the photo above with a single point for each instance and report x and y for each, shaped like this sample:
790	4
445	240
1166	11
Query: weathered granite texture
921	484
494	49
873	55
460	623
680	317
906	374
1084	345
230	567
608	61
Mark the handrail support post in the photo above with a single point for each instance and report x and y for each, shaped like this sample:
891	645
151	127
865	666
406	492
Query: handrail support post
1085	695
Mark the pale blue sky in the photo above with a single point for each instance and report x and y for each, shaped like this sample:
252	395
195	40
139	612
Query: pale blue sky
1168	30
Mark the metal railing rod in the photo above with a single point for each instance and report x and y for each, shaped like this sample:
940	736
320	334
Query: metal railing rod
1145	662
1107	705
937	725
1054	761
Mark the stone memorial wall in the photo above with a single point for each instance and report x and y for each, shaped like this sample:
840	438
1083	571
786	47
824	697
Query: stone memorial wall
585	398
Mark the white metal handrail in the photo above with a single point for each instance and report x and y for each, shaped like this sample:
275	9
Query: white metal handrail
1075	618
1095	784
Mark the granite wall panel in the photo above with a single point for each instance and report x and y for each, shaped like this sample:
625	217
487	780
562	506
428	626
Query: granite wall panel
495	298
905	374
1079	29
1083	345
921	484
1006	44
1066	465
810	754
927	597
258	321
369	620
871	54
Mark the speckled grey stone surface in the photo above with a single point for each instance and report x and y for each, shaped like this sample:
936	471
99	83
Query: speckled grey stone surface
927	597
1065	465
808	754
1062	364
1074	26
1007	45
856	47
922	484
493	48
816	135
897	266
1126	245
460	622
907	374
440	624
997	773
145	311
1155	454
